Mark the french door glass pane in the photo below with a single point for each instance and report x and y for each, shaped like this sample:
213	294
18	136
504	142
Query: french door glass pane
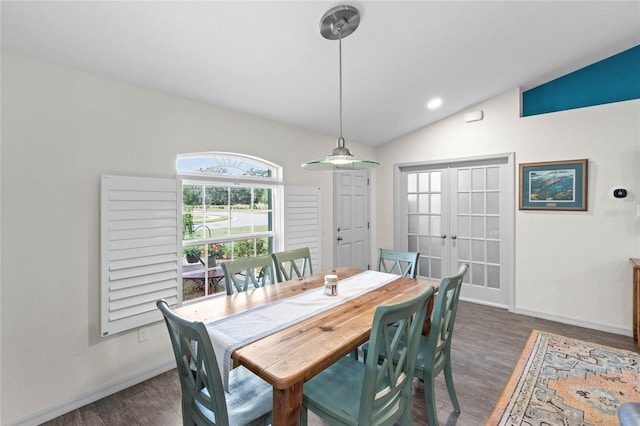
435	225
493	252
477	204
477	227
423	182
477	179
493	276
493	203
435	248
423	224
412	204
463	203
413	224
477	250
424	203
464	180
464	252
412	182
493	227
436	182
493	178
424	271
413	243
436	268
423	247
436	207
477	274
464	226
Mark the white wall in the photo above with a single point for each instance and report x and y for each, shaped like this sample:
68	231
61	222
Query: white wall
569	266
61	130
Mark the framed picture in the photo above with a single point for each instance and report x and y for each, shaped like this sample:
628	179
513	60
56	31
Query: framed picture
554	185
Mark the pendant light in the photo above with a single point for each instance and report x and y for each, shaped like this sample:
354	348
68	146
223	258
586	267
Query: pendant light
336	24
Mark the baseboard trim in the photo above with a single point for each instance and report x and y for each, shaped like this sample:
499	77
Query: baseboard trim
571	321
478	302
560	319
89	397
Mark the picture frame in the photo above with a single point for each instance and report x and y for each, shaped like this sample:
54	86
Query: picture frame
554	185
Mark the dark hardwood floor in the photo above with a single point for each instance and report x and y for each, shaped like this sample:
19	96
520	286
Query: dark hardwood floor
486	344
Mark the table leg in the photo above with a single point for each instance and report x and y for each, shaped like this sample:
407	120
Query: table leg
426	327
286	405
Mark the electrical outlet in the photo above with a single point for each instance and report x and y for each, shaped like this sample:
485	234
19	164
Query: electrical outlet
143	334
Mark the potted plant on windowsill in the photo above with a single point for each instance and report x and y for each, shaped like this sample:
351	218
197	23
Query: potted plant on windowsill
192	254
215	252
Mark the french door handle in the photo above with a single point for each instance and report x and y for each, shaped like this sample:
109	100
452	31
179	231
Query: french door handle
453	237
443	236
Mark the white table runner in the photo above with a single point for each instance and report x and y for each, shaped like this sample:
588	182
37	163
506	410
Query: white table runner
232	332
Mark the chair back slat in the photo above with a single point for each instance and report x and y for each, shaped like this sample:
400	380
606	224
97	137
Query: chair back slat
249	272
398	262
292	264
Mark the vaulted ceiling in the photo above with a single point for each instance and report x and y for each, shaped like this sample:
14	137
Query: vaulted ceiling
268	59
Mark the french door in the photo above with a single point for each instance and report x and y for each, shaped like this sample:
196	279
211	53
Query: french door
461	212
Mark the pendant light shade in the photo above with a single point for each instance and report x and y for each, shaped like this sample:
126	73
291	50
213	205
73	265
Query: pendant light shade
336	24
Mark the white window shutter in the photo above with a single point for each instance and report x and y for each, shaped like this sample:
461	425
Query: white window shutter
302	221
140	231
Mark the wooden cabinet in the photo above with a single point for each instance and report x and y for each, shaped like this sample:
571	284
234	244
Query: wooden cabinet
636	299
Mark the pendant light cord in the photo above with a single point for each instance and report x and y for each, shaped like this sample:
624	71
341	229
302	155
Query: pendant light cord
340	139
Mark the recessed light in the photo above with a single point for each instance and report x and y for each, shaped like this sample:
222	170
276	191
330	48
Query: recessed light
434	103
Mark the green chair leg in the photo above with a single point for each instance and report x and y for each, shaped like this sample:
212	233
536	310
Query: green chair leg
304	416
448	377
430	400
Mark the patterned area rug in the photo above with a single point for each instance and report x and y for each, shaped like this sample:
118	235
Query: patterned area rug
563	381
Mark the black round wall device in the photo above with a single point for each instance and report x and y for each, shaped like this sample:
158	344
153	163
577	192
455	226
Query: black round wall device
619	192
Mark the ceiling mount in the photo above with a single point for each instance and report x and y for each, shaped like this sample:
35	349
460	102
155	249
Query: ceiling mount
339	22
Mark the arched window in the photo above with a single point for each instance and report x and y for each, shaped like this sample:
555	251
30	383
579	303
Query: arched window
228	165
228	212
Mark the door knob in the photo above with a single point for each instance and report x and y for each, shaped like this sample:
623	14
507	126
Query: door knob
453	237
443	236
339	238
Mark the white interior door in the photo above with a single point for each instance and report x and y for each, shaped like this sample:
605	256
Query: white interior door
351	233
454	213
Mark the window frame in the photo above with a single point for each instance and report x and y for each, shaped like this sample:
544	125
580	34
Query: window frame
274	183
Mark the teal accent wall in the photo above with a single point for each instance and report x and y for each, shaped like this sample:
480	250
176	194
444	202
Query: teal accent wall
614	79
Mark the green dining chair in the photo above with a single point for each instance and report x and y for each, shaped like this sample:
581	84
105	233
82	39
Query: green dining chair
246	272
434	353
292	264
398	262
350	392
204	401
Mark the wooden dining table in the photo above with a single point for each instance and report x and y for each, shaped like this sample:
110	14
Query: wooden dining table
289	357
